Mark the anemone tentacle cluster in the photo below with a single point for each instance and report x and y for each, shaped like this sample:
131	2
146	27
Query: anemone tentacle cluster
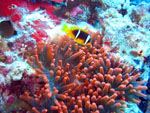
81	79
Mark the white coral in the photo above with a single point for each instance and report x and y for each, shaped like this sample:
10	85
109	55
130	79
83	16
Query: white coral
17	69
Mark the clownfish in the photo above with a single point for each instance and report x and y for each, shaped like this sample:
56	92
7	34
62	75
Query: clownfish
80	36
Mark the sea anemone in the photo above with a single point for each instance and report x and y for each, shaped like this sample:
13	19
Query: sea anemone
83	79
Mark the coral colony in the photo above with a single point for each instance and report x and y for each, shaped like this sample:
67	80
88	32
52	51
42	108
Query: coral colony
46	70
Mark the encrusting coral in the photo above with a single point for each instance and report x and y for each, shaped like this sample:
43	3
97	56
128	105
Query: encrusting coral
81	79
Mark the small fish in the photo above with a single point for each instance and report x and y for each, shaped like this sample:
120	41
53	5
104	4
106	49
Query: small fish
81	36
6	29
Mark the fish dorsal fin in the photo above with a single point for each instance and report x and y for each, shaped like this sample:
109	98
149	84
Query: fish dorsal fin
65	28
74	28
77	28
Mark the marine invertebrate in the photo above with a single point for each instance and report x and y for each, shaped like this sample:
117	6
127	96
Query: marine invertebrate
54	65
108	88
81	79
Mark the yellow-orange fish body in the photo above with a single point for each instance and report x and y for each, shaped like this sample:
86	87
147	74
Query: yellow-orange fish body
80	35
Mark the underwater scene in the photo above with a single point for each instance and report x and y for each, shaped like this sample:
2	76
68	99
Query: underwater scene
74	56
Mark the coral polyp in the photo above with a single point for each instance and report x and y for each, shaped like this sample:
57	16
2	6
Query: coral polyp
107	85
81	79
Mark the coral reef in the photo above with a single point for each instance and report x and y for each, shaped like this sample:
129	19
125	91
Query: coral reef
42	70
124	37
89	13
17	68
81	79
10	94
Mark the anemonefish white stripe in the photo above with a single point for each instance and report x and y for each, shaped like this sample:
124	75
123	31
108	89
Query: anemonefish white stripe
87	39
77	34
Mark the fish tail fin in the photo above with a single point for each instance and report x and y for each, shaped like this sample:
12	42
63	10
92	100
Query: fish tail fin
65	28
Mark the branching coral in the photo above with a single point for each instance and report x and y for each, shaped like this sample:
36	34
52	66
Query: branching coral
81	79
